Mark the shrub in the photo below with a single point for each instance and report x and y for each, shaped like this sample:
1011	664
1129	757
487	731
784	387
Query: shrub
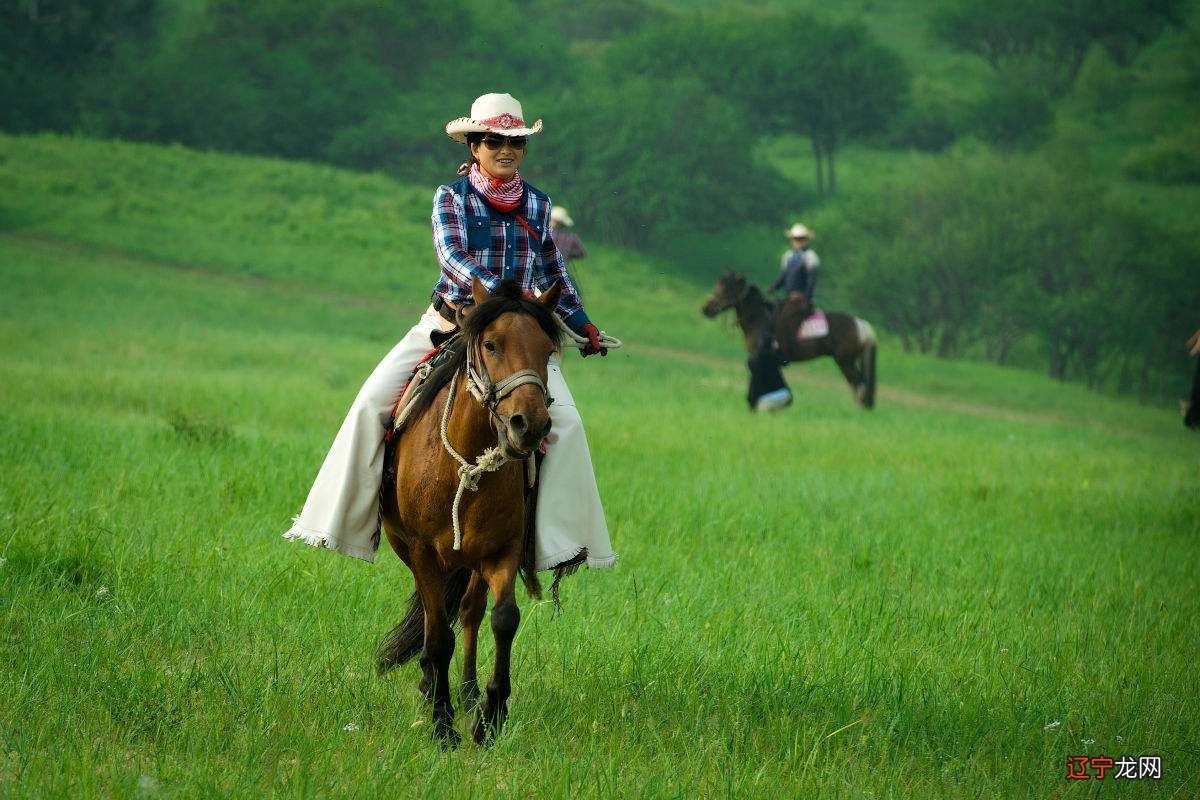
1172	158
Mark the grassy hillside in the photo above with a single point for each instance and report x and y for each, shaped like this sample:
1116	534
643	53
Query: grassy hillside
945	597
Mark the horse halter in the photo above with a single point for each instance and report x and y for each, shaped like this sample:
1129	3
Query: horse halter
489	394
742	295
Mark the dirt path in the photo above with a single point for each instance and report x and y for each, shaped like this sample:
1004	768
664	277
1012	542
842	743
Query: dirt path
805	375
800	375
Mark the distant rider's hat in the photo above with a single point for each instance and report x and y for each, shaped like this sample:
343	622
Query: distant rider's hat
492	113
798	231
559	214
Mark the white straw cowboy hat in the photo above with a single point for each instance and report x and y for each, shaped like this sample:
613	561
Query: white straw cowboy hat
492	113
798	231
559	214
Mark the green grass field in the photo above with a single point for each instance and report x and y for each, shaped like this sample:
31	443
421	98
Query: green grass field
946	597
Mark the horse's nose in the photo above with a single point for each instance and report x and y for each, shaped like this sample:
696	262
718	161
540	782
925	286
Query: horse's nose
526	434
517	426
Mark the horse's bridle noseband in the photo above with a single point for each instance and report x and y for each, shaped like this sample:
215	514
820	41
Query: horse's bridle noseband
489	394
736	301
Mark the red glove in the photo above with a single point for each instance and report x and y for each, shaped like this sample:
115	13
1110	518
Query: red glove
593	345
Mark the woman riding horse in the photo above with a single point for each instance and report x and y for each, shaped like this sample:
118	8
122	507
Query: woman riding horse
489	227
775	335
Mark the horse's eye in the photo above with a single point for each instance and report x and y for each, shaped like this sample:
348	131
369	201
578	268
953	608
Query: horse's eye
489	346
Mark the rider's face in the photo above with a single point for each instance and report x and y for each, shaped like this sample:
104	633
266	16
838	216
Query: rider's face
502	162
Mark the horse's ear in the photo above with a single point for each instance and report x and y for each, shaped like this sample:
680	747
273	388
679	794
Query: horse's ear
549	298
479	291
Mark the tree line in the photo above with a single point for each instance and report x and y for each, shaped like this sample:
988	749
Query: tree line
1000	250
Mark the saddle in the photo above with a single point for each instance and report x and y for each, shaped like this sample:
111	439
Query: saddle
442	352
795	316
813	326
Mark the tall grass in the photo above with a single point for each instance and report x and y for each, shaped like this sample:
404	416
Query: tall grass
945	597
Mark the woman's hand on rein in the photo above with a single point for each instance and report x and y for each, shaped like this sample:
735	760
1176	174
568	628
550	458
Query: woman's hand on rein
593	346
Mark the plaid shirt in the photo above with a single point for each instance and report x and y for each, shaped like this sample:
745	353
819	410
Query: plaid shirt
481	242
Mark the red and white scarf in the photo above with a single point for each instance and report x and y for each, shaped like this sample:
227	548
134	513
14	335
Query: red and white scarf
502	196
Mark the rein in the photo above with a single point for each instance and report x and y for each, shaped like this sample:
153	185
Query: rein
489	394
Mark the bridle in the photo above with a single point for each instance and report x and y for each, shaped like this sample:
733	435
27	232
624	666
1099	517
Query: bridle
736	301
489	395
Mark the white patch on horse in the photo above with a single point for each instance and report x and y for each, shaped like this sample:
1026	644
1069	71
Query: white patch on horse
814	326
866	334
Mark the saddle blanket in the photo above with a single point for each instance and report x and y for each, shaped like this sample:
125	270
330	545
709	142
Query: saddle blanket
814	326
413	386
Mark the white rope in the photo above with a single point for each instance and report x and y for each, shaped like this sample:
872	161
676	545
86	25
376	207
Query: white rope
491	460
494	458
573	339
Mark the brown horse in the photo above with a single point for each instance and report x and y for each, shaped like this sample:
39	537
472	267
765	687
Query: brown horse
765	325
488	402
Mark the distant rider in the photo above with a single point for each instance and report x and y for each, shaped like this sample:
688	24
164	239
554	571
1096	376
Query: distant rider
568	243
798	266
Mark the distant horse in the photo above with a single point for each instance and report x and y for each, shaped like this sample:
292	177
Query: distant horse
850	341
1191	415
488	402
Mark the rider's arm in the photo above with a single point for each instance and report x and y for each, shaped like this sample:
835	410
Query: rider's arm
813	266
783	265
450	242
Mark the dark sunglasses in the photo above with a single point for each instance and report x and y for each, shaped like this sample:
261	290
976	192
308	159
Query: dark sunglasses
496	142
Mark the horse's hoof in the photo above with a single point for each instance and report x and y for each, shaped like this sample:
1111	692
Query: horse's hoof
447	737
488	723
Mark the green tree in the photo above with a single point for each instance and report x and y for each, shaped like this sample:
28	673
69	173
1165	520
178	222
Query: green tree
983	250
647	161
1046	43
833	82
787	72
47	46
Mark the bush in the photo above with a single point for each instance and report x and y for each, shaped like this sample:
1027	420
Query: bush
46	46
362	82
594	19
931	122
1171	159
1012	115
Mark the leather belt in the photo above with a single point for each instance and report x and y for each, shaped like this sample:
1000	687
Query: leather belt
444	309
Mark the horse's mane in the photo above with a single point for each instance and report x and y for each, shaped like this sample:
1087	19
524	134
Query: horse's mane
507	299
754	293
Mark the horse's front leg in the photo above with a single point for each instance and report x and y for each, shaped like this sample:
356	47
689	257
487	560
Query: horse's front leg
506	616
439	645
474	603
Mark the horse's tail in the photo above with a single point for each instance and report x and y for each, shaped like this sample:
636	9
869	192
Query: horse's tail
866	335
406	639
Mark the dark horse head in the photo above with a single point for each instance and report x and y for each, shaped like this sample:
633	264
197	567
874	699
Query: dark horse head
731	289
